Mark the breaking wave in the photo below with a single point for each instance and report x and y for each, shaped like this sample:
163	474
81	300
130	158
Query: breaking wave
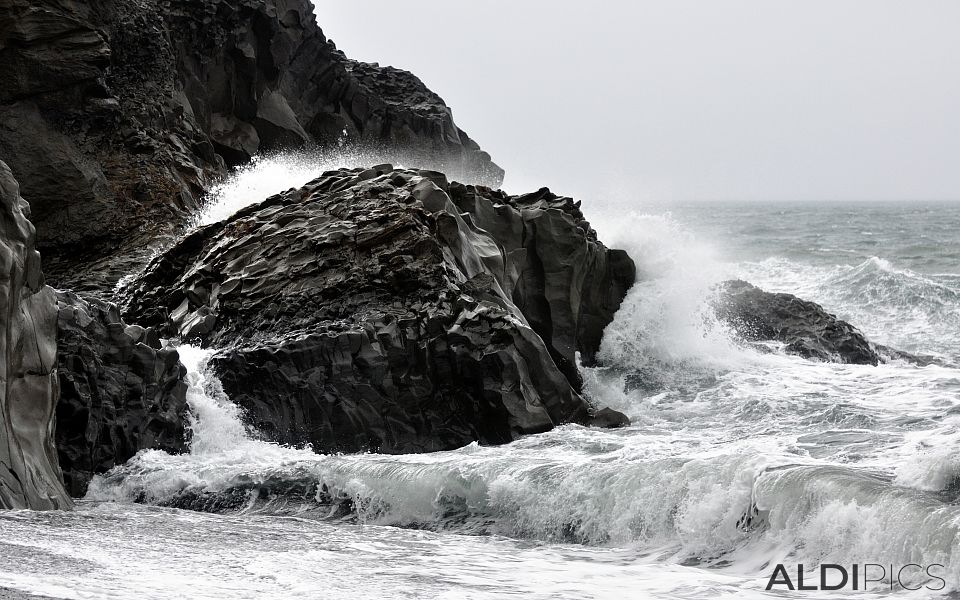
904	309
736	458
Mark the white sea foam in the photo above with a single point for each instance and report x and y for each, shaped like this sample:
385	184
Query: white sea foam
267	175
894	306
736	459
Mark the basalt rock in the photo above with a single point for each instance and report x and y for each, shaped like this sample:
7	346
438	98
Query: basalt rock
365	311
116	116
29	473
805	328
120	391
565	282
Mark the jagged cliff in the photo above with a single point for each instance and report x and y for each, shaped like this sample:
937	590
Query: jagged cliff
116	116
373	309
368	311
120	391
29	473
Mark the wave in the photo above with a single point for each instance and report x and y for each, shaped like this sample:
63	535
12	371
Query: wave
699	494
710	511
735	457
270	174
898	307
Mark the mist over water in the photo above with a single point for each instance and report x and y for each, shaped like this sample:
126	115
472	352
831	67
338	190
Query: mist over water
737	459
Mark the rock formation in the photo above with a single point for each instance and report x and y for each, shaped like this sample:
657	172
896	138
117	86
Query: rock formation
29	474
567	285
120	392
805	328
364	311
116	116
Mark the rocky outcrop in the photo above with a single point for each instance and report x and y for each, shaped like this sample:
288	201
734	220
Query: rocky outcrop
805	328
120	391
116	116
567	285
365	311
29	474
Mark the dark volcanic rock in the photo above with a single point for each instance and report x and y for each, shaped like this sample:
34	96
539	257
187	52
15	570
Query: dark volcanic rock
805	327
120	392
116	116
364	311
29	474
566	283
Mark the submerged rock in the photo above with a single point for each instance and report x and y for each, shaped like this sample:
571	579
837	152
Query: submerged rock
120	392
116	116
364	311
804	327
29	473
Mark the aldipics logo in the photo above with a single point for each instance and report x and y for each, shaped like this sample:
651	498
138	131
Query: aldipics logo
863	577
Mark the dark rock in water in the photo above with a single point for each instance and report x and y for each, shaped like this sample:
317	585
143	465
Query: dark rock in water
607	418
116	116
566	283
29	474
120	392
364	311
804	327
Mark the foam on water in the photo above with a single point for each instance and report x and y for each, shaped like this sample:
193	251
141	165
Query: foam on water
736	460
899	307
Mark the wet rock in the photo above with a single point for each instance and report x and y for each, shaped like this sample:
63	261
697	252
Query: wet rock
29	473
607	418
116	116
805	328
364	311
120	392
566	283
888	354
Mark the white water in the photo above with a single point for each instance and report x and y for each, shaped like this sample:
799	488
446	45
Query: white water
269	175
833	463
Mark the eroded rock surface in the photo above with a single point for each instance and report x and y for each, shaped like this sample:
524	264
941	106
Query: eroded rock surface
365	311
804	327
29	473
120	391
567	285
116	116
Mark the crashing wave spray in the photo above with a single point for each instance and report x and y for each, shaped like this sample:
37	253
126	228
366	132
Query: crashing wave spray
907	310
270	174
735	458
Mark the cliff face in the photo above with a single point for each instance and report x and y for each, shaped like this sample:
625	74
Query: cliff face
29	473
373	309
120	391
116	116
566	283
366	312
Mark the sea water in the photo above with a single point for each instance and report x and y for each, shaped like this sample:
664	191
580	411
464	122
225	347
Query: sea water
739	457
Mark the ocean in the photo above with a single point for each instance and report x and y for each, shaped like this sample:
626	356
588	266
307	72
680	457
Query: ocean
739	457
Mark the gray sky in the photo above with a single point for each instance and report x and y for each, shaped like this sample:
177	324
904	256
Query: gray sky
678	100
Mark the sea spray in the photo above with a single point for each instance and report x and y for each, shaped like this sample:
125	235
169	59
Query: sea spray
737	457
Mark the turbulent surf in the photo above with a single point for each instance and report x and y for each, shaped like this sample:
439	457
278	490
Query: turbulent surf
738	457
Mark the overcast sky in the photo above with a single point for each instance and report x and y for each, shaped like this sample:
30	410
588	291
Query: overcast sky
679	100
